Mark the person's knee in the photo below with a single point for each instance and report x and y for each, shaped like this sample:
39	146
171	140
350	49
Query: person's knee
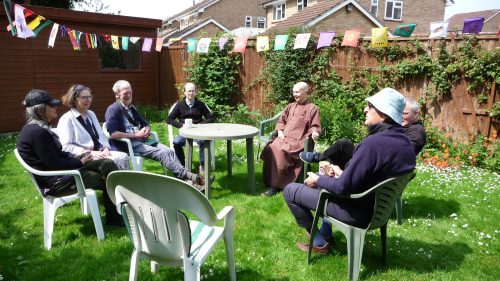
290	190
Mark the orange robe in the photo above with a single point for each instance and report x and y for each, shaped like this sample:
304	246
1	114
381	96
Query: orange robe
282	164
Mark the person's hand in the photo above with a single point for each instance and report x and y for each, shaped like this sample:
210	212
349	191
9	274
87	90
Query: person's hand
281	135
312	179
97	154
336	171
105	152
87	158
314	136
143	133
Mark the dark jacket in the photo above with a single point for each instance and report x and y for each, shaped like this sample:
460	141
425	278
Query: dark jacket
416	134
182	112
115	122
379	156
42	150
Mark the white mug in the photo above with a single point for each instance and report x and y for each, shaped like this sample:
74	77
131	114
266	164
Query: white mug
188	122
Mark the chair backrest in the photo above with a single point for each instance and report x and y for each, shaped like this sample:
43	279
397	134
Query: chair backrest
105	130
28	169
170	128
386	193
151	203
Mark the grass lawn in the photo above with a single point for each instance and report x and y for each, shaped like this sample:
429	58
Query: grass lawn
449	232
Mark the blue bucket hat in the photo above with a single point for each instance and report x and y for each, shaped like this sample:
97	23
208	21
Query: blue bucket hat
390	102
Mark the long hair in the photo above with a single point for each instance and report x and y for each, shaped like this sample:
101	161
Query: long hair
36	112
69	99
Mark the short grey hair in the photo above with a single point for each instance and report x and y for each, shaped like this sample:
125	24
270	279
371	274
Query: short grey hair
189	83
36	112
303	86
120	84
414	106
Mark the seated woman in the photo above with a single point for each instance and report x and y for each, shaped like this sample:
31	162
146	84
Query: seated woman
298	121
79	129
41	149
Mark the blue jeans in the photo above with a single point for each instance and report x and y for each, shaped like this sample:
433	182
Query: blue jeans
161	153
179	143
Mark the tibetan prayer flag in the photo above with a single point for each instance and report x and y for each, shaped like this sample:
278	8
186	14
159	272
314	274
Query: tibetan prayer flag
146	47
35	22
280	42
173	40
134	39
53	34
240	44
351	38
191	45
262	44
301	41
87	40
42	26
473	25
438	29
22	28
125	43
107	38
222	43
8	10
325	39
203	45
115	42
405	30
73	37
94	39
380	37
159	43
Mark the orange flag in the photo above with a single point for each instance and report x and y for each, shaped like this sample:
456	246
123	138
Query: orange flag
351	38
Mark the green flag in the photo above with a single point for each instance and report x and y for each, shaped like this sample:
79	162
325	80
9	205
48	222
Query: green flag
405	30
191	45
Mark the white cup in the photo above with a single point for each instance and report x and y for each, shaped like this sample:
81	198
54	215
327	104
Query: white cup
188	122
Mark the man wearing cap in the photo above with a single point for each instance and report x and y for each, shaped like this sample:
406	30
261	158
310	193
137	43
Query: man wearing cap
385	152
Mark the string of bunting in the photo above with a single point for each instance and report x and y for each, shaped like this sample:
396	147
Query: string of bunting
379	36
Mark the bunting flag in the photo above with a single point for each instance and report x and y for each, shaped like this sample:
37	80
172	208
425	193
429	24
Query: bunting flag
280	42
53	35
438	29
325	39
7	4
240	44
42	26
22	28
146	47
191	45
380	37
203	45
87	40
35	22
351	38
125	43
473	25
94	39
173	40
114	42
134	39
107	38
405	30
159	43
262	44
222	43
74	41
301	41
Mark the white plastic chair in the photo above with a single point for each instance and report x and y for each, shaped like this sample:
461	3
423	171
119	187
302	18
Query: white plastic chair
152	206
88	200
136	159
170	130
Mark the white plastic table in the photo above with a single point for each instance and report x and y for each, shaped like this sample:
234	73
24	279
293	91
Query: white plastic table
221	131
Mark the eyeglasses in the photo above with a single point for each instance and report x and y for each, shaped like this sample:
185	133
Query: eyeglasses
370	106
85	97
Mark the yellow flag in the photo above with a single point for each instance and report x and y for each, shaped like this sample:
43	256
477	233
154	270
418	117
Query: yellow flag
114	42
262	43
379	37
35	22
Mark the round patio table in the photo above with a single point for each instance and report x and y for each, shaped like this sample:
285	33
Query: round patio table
221	131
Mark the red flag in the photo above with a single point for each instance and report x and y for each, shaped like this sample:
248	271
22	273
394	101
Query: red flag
240	44
351	38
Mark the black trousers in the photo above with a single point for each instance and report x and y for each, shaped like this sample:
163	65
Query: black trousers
339	153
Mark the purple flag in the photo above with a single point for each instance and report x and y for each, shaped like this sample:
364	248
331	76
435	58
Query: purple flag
146	47
222	43
325	39
473	25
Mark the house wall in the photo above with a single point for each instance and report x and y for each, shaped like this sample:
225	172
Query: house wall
27	64
232	13
341	21
209	30
290	9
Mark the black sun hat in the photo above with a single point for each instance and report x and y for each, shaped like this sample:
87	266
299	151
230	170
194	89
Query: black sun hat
36	96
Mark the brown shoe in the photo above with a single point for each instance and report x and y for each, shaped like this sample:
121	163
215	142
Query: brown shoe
318	250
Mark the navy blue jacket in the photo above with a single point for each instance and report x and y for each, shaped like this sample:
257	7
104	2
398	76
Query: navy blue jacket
115	122
379	156
182	111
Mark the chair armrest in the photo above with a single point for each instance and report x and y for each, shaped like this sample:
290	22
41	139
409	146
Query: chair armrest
222	214
363	194
75	173
264	123
129	145
155	136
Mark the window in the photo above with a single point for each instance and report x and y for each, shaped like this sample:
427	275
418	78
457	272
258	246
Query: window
374	7
393	10
112	59
261	22
248	21
184	23
301	4
279	12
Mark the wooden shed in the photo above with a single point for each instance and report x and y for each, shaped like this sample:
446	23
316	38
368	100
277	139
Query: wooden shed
30	63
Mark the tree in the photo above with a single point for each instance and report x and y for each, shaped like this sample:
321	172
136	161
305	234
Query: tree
91	6
64	4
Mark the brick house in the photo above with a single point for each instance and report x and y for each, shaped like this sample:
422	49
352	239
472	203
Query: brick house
340	15
212	16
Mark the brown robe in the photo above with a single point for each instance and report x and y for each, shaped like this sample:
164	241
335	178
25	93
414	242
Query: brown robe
282	164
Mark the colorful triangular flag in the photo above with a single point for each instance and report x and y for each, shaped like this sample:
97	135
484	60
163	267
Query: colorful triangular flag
325	39
262	44
405	30
351	38
380	37
438	29
473	25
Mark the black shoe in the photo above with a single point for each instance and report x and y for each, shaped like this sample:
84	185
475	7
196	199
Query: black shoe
309	157
270	192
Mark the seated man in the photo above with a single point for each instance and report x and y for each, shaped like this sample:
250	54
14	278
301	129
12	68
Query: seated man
298	121
385	152
124	121
341	151
194	109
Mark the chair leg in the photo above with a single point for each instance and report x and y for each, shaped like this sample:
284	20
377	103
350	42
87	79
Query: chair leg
383	242
191	271
49	213
83	203
355	243
134	266
154	267
212	155
399	208
94	210
230	255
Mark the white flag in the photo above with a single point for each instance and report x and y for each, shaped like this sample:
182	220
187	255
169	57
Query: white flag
301	41
134	39
439	29
53	34
203	45
22	28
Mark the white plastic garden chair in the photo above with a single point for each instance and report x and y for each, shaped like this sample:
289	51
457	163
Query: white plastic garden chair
88	200
153	208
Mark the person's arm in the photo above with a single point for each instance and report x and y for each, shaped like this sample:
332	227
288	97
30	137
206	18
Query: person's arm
205	112
282	120
315	123
66	133
52	157
416	134
172	117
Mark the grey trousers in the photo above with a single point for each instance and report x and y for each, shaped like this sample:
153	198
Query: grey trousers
164	154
